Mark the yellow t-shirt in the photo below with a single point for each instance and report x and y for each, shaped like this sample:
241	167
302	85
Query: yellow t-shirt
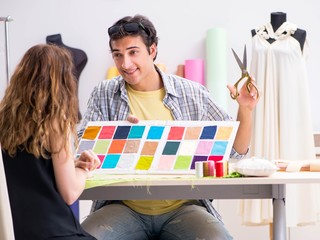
149	106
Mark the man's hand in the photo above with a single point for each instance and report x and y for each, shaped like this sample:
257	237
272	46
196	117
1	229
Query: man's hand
245	99
132	119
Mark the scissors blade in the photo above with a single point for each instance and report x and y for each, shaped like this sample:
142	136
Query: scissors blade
245	57
238	60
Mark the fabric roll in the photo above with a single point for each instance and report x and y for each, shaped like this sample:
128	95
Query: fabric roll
112	72
180	70
162	67
194	70
216	65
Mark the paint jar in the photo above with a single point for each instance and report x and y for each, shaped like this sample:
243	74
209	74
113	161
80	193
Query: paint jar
219	166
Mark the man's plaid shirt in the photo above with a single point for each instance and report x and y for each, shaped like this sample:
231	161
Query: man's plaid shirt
185	99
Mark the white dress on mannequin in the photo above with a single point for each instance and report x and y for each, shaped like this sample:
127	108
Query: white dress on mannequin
283	124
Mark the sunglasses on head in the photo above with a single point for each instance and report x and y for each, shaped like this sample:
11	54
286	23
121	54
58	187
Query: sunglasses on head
129	27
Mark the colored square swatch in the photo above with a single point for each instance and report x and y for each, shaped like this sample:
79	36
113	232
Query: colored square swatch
126	161
198	159
132	146
149	148
85	145
208	132
144	163
215	158
155	132
101	146
91	132
192	133
107	132
183	162
188	147
136	132
117	146
176	133
122	132
171	148
224	133
110	161
101	158
166	162
204	147
219	148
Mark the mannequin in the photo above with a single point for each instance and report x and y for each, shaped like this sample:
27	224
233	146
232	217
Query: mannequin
276	66
277	19
79	57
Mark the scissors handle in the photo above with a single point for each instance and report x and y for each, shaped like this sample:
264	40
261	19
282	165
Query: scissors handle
249	86
234	96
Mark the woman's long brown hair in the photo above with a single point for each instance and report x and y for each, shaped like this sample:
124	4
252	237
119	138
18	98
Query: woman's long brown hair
42	91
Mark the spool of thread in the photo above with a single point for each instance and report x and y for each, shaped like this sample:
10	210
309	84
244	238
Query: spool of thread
219	168
199	169
211	168
206	169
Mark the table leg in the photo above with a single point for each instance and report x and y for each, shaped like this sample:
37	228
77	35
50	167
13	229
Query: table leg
279	212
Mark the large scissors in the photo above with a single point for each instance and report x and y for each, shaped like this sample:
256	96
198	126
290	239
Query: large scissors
244	75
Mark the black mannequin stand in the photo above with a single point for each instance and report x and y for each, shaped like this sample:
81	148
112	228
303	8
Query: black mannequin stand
80	58
277	19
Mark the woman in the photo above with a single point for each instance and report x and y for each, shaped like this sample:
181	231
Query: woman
38	117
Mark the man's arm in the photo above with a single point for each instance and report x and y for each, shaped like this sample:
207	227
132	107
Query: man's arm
244	132
247	102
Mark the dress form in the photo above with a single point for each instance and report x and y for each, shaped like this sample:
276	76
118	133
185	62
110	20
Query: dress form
275	67
276	20
80	58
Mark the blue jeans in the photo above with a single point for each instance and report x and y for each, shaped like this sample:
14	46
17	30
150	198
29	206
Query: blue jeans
189	222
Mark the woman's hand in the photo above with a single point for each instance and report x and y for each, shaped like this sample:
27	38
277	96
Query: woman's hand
88	161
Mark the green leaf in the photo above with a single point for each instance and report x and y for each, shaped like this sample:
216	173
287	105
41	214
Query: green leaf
234	175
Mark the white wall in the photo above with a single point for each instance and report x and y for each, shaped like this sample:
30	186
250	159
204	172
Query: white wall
181	26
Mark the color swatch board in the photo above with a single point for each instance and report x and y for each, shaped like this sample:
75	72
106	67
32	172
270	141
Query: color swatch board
160	147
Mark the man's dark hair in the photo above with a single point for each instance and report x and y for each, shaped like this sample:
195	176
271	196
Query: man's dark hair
147	31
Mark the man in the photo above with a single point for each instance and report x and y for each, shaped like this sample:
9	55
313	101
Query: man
144	92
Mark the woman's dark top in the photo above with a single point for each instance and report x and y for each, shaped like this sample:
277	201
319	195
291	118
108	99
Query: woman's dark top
38	210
